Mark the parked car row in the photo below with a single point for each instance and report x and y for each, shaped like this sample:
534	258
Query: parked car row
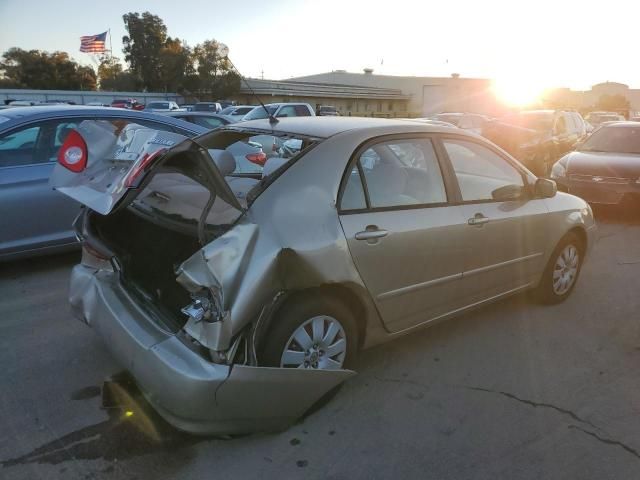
30	139
537	138
281	249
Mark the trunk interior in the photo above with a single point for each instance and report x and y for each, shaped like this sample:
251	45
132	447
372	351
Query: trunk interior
149	255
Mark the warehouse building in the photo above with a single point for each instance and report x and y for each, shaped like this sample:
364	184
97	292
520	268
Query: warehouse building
426	95
348	99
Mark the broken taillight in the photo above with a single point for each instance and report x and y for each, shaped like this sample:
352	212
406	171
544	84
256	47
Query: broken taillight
259	158
135	175
73	152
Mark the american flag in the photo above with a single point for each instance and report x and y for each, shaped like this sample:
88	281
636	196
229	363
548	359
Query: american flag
93	43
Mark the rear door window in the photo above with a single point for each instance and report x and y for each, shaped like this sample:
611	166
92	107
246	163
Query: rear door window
397	173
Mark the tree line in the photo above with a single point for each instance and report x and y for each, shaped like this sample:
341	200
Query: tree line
155	62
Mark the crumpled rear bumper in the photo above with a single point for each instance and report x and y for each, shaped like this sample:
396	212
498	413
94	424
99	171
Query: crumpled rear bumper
191	393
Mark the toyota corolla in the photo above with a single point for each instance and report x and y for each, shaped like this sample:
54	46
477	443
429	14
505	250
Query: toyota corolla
237	300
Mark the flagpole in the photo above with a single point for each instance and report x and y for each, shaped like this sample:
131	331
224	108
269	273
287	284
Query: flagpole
110	47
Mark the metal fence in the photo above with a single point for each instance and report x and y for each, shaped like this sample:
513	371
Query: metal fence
82	97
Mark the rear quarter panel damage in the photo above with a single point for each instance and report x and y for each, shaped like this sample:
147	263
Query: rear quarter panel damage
290	240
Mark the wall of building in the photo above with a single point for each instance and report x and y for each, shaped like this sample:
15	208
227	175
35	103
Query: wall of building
428	95
348	99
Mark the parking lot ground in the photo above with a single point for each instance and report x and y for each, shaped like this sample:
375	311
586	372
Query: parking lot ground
514	390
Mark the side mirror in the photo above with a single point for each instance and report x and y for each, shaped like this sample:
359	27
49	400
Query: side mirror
508	193
545	188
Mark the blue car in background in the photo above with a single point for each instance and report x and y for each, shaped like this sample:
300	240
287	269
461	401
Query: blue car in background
34	219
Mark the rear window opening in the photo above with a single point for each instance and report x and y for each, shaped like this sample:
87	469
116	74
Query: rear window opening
177	211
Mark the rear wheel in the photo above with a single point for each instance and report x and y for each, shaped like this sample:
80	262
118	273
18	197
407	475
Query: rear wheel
561	274
314	332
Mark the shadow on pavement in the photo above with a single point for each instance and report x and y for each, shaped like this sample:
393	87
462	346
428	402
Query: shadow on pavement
13	268
132	429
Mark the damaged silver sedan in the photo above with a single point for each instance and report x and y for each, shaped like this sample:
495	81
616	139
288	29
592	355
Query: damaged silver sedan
237	300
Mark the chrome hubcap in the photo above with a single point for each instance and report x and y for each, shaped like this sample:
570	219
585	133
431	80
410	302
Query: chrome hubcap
565	270
319	343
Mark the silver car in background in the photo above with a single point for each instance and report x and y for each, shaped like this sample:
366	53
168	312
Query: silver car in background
279	110
237	301
34	219
235	113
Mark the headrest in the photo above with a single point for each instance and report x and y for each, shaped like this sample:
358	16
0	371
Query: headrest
224	161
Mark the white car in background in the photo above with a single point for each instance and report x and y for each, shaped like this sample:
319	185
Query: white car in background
235	113
163	106
279	110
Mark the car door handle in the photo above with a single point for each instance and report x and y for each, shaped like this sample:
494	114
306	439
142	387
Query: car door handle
371	233
478	220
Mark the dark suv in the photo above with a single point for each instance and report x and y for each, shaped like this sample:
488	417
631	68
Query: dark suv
537	137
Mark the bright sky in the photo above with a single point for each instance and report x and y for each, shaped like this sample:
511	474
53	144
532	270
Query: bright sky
524	45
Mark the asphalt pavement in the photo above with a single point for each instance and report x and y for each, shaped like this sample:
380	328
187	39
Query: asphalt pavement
515	390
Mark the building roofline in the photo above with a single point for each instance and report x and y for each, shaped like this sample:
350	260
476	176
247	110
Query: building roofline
367	75
318	89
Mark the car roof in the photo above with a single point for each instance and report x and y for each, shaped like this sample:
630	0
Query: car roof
18	115
324	127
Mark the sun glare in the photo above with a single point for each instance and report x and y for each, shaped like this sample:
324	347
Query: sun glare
518	92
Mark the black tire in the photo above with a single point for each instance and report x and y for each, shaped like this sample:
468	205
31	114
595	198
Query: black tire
545	291
296	312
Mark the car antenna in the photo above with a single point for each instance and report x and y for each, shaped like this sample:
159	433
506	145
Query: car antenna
224	53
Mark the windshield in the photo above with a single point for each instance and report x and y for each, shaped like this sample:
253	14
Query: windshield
259	112
613	139
539	121
227	111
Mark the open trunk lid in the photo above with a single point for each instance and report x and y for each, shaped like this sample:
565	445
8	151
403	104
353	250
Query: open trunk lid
103	163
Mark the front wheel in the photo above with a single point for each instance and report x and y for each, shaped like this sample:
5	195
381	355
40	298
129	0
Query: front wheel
561	274
311	331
